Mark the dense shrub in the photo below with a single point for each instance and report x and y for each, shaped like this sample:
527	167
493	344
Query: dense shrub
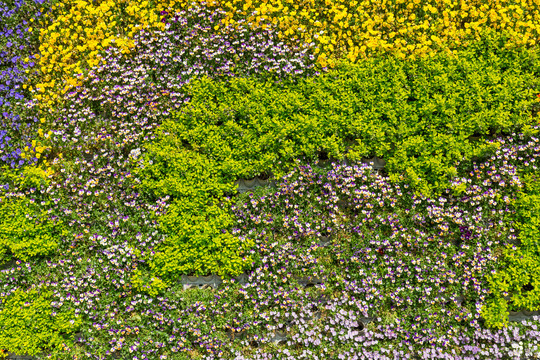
196	223
517	286
151	286
26	228
420	116
29	325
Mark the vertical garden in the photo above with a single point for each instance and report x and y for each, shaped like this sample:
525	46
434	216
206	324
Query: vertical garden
269	179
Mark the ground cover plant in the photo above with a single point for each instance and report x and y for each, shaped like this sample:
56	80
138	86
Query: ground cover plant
125	126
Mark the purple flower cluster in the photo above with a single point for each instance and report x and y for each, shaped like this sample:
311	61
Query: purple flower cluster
17	123
399	254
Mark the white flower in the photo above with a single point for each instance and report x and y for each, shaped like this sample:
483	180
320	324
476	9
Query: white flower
135	153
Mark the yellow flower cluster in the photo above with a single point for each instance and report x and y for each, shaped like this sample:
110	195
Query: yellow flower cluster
74	35
38	148
408	29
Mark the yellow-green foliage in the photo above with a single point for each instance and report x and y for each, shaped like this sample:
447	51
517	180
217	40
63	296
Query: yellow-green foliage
151	286
419	116
197	240
520	274
27	323
197	245
34	176
25	178
25	230
495	312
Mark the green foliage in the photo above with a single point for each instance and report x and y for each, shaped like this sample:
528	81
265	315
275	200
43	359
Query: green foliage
25	230
33	177
198	243
495	313
151	286
421	116
520	274
491	46
524	269
196	222
182	173
27	323
24	178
